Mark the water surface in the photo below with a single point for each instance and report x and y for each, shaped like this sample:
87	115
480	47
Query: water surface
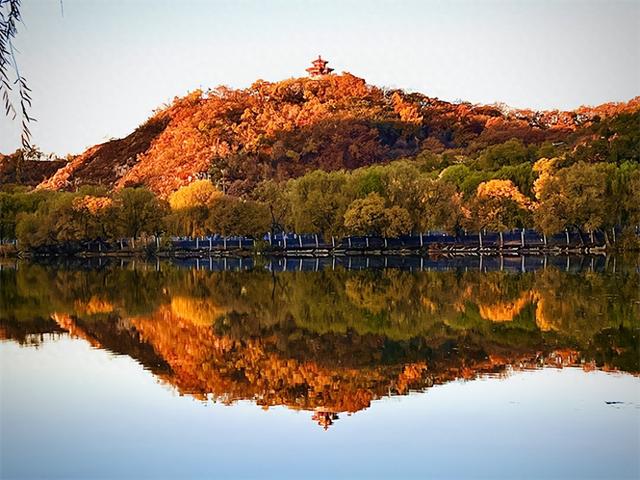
448	369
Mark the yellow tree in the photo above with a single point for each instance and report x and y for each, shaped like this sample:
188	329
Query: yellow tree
200	193
552	210
190	205
499	205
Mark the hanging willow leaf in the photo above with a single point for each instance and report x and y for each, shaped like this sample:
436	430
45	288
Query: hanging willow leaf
9	18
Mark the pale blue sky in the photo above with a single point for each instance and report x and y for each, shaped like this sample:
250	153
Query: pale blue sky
100	70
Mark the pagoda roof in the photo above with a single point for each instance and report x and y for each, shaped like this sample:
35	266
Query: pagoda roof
319	67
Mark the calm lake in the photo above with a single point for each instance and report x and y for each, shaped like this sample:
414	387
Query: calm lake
332	368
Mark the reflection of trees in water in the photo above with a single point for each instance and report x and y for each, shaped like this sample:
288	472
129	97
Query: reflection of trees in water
35	290
331	341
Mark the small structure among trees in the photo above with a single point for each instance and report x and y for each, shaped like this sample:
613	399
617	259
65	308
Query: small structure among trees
319	68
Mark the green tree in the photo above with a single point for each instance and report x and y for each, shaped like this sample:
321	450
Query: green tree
577	196
138	211
52	222
92	216
366	180
398	222
464	178
441	207
15	202
235	216
273	195
521	175
318	201
403	187
511	152
631	199
370	216
366	216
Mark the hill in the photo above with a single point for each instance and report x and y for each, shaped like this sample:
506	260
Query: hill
28	172
284	129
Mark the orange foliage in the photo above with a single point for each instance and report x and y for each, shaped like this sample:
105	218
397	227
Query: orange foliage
505	311
503	189
91	204
94	306
284	129
66	322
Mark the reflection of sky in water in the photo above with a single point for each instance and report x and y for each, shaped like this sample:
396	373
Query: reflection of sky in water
71	411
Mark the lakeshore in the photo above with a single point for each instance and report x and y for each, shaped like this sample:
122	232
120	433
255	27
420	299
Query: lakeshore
516	242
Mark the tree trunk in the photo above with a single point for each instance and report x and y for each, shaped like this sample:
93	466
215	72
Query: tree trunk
273	220
19	162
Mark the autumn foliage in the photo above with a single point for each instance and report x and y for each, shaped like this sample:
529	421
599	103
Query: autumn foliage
282	130
336	156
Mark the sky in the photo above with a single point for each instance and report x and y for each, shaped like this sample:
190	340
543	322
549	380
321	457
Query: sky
99	68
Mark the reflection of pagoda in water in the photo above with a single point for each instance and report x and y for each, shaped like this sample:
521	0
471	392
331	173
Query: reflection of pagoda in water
324	418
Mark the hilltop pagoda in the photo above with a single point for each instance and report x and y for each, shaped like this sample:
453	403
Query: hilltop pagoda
319	68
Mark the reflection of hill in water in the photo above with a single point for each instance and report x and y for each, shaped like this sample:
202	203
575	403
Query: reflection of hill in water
330	341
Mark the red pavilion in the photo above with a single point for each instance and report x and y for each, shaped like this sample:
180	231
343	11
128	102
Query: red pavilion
319	67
